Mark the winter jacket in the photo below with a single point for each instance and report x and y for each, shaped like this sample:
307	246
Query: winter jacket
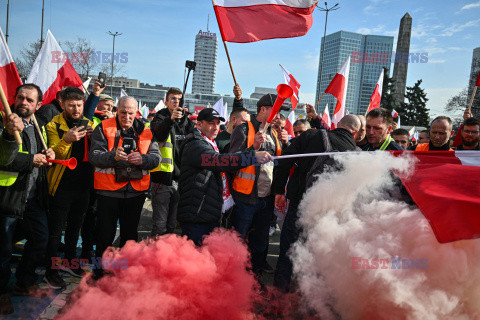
100	157
162	126
308	142
238	143
8	146
46	112
56	129
14	197
200	183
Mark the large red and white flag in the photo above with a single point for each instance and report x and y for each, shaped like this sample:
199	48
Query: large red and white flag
377	94
52	70
9	77
293	83
450	204
254	20
338	88
326	118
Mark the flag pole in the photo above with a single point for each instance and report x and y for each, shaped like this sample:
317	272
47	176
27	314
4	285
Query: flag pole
316	104
8	112
366	111
471	99
230	62
39	132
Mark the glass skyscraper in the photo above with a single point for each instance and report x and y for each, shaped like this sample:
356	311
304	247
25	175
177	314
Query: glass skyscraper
368	54
206	59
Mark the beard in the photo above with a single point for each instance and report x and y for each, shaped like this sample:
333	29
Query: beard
23	113
472	143
72	120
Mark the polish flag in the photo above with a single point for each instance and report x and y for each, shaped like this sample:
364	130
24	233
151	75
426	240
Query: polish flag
52	70
377	94
451	205
477	84
326	118
9	78
293	83
394	113
254	20
289	123
338	88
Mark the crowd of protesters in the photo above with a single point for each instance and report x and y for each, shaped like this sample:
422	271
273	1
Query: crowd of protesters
198	177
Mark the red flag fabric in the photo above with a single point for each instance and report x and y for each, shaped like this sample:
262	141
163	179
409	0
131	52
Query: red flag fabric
338	88
478	80
376	97
289	123
394	113
445	188
327	122
293	83
52	70
9	77
458	137
254	20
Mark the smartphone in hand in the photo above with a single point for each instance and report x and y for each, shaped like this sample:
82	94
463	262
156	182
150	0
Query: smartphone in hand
83	124
102	78
127	145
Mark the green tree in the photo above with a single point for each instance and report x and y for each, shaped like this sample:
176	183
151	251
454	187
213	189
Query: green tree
388	90
414	112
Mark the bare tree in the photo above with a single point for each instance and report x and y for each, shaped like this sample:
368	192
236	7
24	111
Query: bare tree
27	58
80	54
456	105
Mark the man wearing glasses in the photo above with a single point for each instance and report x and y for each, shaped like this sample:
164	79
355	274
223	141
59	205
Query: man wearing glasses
470	135
169	127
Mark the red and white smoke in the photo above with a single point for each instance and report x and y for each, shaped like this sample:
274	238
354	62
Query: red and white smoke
171	279
353	214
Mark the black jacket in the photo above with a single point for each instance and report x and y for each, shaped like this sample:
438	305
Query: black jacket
14	197
162	126
46	112
308	142
200	184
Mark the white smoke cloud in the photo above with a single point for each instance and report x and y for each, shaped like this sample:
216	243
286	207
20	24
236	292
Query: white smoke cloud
353	214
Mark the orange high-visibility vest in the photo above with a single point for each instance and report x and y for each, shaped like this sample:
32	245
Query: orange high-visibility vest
245	178
104	178
425	147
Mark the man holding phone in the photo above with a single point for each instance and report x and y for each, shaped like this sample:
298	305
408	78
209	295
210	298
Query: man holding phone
68	136
170	127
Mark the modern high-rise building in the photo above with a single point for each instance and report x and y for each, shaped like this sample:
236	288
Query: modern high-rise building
401	59
206	59
471	84
369	55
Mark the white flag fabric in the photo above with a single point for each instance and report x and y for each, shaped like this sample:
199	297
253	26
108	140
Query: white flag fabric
221	108
160	105
123	93
86	84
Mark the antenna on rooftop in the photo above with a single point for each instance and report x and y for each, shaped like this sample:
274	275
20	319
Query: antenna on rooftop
208	21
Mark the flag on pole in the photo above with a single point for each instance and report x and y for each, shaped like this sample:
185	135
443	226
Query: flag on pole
254	20
221	108
293	83
338	88
394	113
377	94
52	70
160	105
289	123
123	93
326	118
450	204
9	77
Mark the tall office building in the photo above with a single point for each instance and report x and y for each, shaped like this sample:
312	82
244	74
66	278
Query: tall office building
206	59
401	59
471	83
369	55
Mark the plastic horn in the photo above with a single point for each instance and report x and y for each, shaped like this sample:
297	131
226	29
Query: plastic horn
70	163
284	92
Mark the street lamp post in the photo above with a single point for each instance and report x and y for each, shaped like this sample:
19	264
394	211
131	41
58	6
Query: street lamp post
41	31
113	56
326	10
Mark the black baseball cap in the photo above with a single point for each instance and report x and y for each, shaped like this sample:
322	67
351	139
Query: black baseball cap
208	114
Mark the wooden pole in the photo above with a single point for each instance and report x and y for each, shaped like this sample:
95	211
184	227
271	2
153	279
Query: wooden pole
366	111
8	112
86	91
471	100
39	132
316	104
230	63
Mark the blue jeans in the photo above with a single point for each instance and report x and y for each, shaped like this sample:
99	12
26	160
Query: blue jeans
252	221
290	234
34	228
196	231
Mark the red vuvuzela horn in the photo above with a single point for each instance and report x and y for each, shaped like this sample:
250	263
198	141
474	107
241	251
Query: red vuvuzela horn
70	163
284	91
